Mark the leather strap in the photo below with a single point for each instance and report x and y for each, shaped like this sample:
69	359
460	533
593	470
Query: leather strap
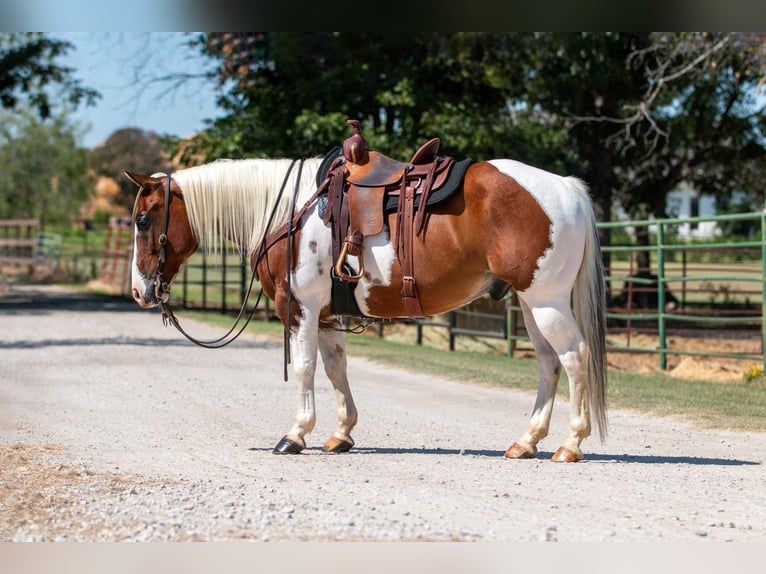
405	227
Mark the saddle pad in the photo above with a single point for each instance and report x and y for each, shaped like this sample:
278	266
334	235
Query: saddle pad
451	185
453	182
324	167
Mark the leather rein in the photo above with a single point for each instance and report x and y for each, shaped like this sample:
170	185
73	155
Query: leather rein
162	288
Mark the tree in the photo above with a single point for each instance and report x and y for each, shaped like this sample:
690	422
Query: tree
289	94
707	131
43	173
130	149
645	112
28	71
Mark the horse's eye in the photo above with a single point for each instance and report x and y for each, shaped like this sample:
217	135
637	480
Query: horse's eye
142	221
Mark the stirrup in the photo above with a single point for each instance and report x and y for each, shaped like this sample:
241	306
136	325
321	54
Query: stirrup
342	259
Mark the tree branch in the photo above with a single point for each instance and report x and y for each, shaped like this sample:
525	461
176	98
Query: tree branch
658	78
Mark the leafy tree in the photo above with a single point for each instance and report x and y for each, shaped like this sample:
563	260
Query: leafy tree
43	173
28	70
289	94
130	149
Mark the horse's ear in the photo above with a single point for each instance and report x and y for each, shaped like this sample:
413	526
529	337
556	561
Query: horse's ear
143	181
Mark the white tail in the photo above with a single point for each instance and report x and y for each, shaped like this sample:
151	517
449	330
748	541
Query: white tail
589	306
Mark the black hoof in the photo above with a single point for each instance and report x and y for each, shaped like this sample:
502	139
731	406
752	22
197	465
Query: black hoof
287	446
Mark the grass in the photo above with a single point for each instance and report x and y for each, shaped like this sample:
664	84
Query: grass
708	404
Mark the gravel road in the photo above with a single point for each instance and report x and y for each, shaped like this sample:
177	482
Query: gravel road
114	428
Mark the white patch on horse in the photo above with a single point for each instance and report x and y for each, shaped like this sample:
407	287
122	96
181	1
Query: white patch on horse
558	198
379	256
311	277
138	280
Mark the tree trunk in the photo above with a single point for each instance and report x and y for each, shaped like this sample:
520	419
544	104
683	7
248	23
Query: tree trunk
643	257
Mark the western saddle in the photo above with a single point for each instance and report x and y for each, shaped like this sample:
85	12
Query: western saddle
358	183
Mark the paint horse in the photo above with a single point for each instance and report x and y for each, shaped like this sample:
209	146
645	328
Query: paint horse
507	225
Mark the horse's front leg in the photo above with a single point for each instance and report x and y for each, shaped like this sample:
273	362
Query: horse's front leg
332	346
303	349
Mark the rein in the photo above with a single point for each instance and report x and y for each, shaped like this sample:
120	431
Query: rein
161	287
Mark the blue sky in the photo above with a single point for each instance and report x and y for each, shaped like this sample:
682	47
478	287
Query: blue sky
124	67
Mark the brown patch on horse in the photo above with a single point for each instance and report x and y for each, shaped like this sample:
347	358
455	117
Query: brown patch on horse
492	229
512	207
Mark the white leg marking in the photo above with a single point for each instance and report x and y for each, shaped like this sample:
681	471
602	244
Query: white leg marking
332	346
303	343
550	370
557	325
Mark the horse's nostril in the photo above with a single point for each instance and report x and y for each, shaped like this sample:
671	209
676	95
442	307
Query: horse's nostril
136	295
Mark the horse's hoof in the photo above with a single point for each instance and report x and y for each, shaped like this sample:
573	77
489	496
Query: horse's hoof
563	454
337	445
518	451
287	446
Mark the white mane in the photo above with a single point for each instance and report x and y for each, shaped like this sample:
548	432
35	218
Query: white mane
233	199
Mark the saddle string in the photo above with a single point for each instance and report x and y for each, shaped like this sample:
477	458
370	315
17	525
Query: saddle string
167	313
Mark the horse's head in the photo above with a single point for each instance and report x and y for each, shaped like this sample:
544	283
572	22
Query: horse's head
163	238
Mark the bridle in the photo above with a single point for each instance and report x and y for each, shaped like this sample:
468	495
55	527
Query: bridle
161	287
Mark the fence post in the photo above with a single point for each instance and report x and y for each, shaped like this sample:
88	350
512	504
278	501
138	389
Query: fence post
763	290
204	279
510	325
661	294
242	278
452	326
185	284
224	256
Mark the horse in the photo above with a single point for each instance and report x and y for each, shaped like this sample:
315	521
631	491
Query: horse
508	226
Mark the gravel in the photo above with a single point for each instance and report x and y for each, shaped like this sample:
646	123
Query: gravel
113	428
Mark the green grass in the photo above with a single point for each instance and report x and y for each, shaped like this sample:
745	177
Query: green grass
708	404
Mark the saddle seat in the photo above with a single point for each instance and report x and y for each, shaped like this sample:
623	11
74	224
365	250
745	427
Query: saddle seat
380	170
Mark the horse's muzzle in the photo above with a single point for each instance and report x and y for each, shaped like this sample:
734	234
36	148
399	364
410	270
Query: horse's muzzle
145	294
145	299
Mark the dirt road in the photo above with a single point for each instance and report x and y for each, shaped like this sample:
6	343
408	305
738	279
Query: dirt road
115	428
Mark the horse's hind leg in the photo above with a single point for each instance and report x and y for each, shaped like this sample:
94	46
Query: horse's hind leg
332	346
550	369
557	325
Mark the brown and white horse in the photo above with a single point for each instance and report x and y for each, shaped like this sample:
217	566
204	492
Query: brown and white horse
509	226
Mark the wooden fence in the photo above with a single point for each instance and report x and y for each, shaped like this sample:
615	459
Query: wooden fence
118	252
18	241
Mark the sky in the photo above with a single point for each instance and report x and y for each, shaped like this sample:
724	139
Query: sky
124	67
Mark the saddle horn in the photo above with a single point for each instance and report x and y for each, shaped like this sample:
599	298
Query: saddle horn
355	147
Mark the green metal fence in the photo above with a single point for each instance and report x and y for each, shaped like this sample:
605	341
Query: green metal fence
729	267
